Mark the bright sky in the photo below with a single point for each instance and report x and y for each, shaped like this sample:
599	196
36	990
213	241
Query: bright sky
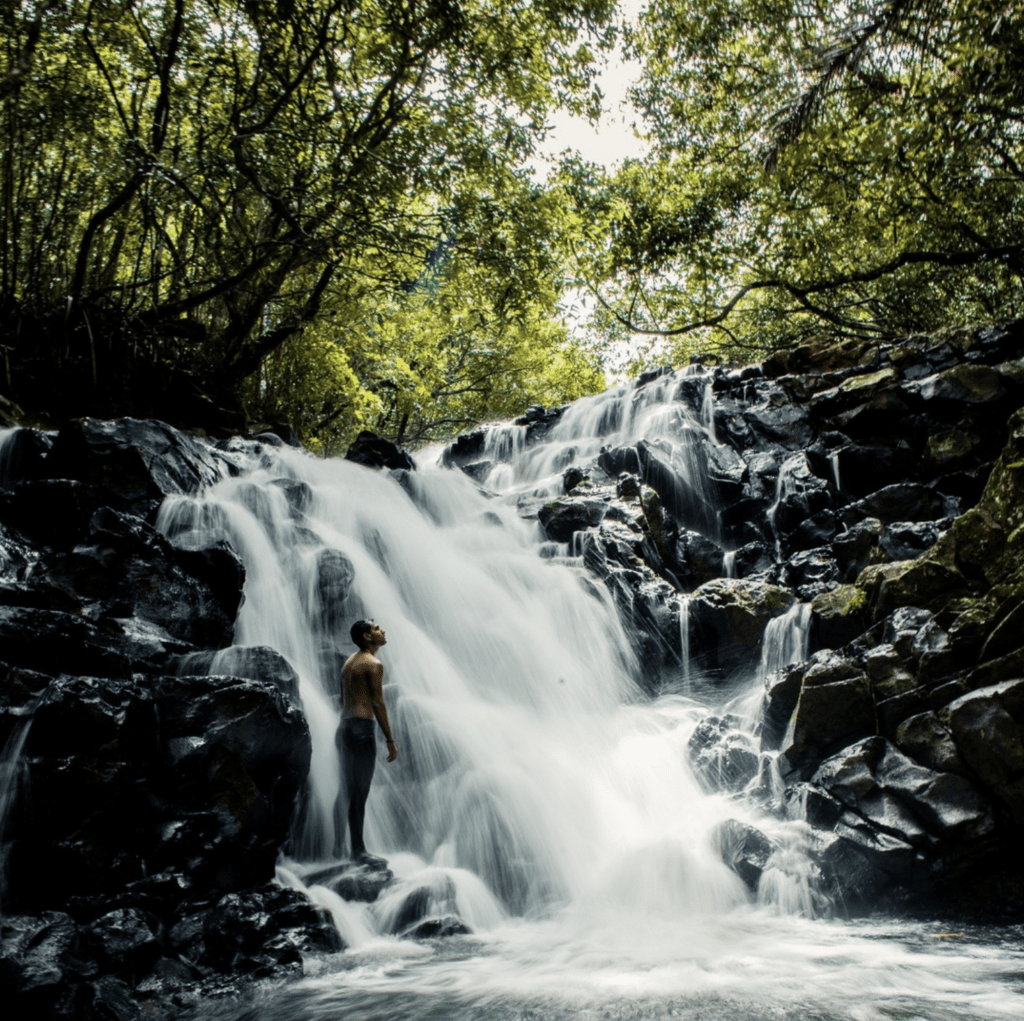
613	139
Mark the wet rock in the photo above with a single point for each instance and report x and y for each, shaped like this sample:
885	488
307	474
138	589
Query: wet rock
40	957
932	650
127	568
730	615
123	941
23	456
813	533
256	662
467	448
297	493
1006	636
866	467
781	423
265	931
563	517
884	413
902	501
782	692
334	574
723	757
924	738
166	978
902	628
145	775
811	572
697	559
888	671
51	512
353	881
858	547
438	928
432	896
374	451
616	460
801	494
477	470
133	463
745	850
948	391
686	504
900	797
572	477
238	754
808	803
745	522
925	582
107	999
989	740
835	707
52	642
752	559
725	468
950	449
905	540
887	861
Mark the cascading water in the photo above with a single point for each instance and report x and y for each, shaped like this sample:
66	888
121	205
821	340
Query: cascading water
538	794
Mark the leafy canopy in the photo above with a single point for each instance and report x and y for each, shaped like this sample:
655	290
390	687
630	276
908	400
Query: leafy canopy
254	191
854	167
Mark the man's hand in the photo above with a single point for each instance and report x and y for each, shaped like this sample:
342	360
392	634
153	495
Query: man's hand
392	751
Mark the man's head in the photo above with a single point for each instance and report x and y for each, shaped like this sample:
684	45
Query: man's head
366	633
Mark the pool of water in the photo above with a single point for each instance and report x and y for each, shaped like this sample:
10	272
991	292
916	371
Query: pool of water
744	966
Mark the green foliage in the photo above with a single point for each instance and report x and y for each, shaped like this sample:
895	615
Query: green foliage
856	169
251	189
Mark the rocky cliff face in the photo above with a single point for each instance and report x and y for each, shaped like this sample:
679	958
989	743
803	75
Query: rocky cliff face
138	862
881	485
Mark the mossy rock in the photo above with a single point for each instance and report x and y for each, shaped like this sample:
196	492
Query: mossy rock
965	384
731	614
978	542
929	584
950	448
839	616
870	382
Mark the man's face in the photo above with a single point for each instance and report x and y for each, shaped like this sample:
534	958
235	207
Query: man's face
375	635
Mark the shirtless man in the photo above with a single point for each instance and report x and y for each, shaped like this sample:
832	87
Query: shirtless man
362	699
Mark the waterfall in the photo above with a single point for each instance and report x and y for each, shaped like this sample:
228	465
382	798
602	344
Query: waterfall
525	748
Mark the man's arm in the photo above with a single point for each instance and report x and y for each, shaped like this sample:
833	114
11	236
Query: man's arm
380	710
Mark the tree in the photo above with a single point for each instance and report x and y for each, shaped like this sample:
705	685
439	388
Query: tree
855	168
193	185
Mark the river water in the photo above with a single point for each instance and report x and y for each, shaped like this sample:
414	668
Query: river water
539	795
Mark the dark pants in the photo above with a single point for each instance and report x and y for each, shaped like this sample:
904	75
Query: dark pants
358	749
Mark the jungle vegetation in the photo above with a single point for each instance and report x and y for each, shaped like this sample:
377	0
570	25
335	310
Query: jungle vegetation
322	212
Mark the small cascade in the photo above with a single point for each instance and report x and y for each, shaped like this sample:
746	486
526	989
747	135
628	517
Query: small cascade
834	462
785	640
729	564
686	679
10	786
784	485
6	447
707	412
